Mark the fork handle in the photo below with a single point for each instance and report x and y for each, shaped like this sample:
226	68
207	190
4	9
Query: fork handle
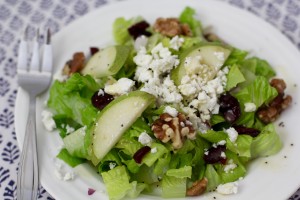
28	175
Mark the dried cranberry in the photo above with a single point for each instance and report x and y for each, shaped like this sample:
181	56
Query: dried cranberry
94	50
101	100
139	155
91	191
229	107
139	29
242	130
214	155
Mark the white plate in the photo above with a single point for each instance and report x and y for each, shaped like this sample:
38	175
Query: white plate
276	180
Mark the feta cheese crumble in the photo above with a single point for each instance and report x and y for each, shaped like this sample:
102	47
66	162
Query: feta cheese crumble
232	134
112	165
140	42
230	166
171	111
100	92
63	172
228	188
151	70
69	129
250	107
154	150
122	86
145	139
176	42
47	119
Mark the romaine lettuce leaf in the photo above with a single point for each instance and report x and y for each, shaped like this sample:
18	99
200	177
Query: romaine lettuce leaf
116	182
73	161
242	146
183	172
173	187
188	17
214	136
259	92
72	99
234	77
213	178
266	143
259	67
120	29
236	57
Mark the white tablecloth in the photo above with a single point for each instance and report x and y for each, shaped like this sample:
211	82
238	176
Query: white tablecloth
15	15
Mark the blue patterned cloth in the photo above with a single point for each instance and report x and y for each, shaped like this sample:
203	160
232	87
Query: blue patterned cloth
15	15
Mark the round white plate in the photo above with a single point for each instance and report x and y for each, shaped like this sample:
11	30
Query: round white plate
277	179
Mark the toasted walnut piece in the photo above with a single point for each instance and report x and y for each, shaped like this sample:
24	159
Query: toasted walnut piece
278	84
74	65
186	30
168	128
271	112
77	62
197	188
171	27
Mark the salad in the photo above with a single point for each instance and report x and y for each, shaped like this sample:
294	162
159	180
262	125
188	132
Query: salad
168	110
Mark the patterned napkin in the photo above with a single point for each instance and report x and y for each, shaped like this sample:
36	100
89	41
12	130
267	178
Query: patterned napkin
15	15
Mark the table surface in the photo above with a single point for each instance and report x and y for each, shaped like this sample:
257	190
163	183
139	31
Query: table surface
15	15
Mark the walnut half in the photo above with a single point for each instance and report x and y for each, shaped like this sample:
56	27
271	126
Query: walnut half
197	188
168	128
269	113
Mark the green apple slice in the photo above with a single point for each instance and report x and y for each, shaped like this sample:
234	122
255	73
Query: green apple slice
212	55
107	62
115	119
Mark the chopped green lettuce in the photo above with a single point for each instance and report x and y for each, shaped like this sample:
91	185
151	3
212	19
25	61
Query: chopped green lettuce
236	57
266	143
117	177
259	67
259	92
120	29
173	187
72	99
188	17
213	178
242	146
234	77
183	172
73	161
74	143
214	136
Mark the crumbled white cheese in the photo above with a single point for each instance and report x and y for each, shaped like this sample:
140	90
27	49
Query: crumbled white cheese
154	150
220	55
145	139
63	172
222	142
112	165
140	42
69	129
176	42
223	155
60	77
232	134
151	68
171	111
228	188
100	92
47	119
122	86
230	166
250	107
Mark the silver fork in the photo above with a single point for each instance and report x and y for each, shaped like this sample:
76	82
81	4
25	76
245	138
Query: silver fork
34	79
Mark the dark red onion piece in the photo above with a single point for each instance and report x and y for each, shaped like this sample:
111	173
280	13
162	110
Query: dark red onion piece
101	100
139	29
214	155
139	155
242	130
94	50
91	191
229	107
